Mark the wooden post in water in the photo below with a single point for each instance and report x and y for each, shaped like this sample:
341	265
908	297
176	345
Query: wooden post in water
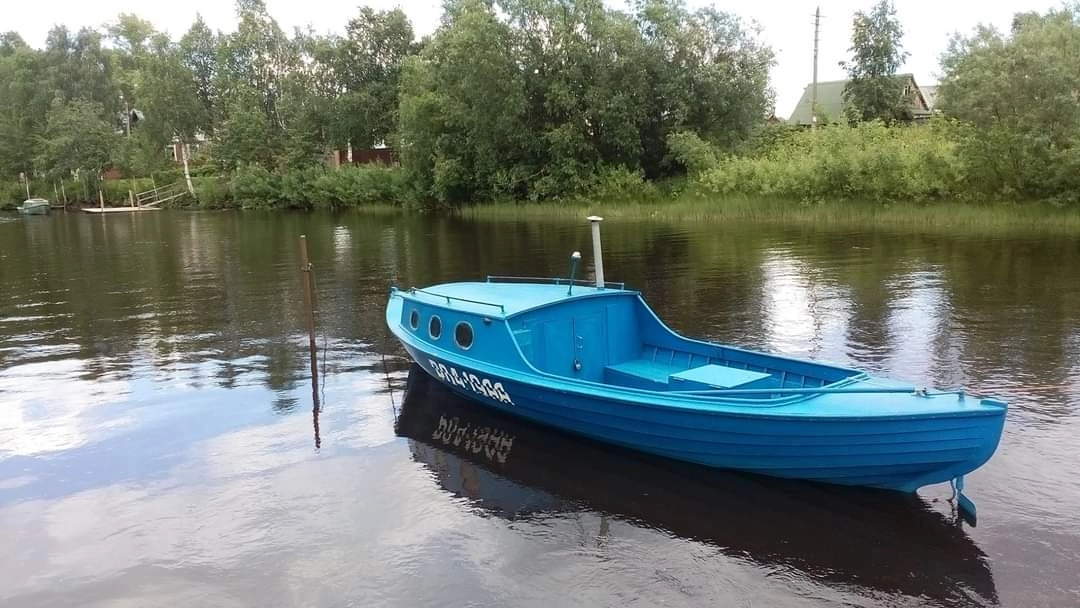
131	198
309	307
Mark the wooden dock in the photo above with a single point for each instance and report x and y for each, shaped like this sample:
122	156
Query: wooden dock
119	209
143	201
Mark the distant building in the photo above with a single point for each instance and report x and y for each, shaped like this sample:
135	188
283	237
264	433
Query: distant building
831	106
379	154
174	151
930	95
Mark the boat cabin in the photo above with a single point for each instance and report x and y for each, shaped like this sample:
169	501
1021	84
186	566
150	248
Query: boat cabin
604	335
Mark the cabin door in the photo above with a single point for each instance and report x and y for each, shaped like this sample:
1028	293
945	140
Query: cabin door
589	340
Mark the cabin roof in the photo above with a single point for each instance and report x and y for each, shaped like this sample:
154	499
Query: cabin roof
505	299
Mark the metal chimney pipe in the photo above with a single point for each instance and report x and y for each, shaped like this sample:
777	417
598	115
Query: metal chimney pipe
598	258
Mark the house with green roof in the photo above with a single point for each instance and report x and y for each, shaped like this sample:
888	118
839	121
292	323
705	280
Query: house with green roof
831	106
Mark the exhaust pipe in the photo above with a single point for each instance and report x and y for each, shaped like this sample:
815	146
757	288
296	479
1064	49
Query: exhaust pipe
598	258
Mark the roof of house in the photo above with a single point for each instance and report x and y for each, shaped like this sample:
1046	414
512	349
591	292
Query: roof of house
930	95
830	100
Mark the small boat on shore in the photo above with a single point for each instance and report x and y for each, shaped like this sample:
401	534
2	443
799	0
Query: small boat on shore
597	361
34	206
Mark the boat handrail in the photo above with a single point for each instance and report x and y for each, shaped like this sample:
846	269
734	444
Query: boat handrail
552	280
910	390
449	298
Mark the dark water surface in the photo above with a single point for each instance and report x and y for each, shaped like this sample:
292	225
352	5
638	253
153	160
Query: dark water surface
159	447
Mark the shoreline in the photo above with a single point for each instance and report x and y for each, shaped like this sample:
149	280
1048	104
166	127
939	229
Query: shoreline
1042	218
990	217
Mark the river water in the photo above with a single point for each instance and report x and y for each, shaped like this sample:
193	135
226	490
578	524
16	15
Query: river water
160	444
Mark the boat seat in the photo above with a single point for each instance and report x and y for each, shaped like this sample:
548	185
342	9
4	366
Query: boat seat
714	376
639	373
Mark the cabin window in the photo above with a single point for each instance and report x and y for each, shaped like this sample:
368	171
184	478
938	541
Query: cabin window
435	327
463	335
414	320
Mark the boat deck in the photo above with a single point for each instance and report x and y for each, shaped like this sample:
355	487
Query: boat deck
497	299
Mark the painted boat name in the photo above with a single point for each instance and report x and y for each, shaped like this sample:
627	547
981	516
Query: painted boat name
481	386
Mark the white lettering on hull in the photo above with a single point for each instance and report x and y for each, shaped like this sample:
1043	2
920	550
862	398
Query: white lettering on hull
481	386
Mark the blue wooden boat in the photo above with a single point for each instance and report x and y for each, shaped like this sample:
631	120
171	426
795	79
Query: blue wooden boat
518	470
595	360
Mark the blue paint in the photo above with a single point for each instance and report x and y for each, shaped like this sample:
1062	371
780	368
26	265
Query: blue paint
600	363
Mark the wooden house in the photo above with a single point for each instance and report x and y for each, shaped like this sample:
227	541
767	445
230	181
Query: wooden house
831	106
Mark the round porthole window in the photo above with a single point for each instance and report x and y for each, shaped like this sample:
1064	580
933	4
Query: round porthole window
435	327
414	320
463	335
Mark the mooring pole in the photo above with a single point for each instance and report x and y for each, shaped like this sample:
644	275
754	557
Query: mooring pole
309	307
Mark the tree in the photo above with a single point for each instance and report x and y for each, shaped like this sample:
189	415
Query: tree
543	98
76	136
367	64
169	99
251	64
709	75
873	91
462	105
1017	96
22	106
198	53
306	105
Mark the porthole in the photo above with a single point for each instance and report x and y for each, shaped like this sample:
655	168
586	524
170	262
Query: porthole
463	335
414	320
435	327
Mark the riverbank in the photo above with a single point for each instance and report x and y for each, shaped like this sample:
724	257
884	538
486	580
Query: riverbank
1039	218
378	189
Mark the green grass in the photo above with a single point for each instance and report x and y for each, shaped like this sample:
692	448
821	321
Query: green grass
934	217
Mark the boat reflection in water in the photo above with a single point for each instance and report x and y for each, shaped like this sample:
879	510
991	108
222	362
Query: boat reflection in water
876	540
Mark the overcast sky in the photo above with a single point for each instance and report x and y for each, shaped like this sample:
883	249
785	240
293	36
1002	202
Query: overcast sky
786	25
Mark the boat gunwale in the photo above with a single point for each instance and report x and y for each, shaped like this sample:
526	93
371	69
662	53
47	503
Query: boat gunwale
408	293
687	402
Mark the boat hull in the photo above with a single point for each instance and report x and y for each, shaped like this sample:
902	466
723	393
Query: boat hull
34	208
900	453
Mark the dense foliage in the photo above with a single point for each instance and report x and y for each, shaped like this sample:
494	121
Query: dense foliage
1009	129
521	99
528	100
255	96
866	161
535	99
1019	96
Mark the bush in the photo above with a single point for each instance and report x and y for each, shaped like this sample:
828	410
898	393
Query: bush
692	152
115	191
213	192
360	186
619	184
12	194
865	161
255	187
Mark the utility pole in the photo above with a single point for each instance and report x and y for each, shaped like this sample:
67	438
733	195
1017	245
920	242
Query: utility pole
127	117
813	84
